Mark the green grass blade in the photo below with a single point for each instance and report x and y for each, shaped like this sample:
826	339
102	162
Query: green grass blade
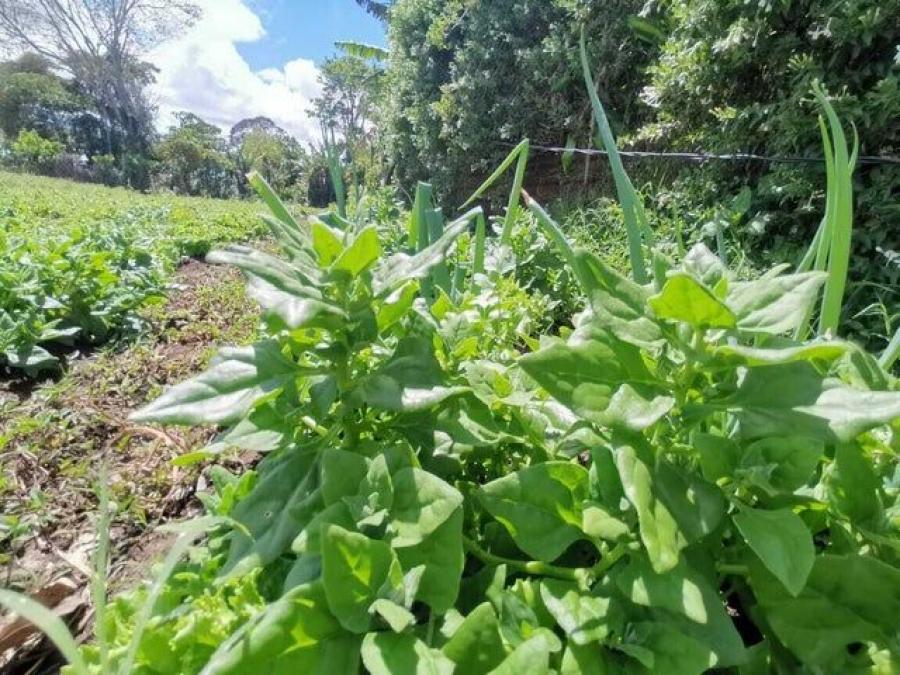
841	226
178	549
512	207
480	235
418	222
276	206
890	355
504	165
337	180
555	233
49	624
635	217
99	582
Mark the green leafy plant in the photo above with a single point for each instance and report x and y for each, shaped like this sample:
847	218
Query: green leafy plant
673	485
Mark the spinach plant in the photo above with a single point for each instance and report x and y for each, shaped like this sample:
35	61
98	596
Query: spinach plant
672	485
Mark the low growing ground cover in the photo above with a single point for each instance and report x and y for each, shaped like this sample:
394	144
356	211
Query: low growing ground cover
77	261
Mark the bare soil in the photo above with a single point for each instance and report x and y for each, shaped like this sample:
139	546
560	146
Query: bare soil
55	437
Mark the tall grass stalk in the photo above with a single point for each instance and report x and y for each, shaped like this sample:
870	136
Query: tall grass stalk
519	155
838	231
636	227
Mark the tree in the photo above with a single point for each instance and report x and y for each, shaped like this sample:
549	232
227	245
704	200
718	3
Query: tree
258	144
99	43
33	97
350	87
193	158
379	10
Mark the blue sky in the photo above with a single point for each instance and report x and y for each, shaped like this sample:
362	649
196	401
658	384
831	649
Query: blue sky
246	58
308	29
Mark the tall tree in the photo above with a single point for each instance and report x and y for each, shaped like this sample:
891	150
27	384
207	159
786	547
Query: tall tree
377	9
100	44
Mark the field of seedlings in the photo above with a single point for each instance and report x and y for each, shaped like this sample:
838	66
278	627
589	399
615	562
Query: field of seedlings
76	263
417	450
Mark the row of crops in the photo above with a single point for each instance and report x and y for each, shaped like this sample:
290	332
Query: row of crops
695	472
76	262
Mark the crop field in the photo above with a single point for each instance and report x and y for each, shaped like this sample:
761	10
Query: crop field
475	337
76	263
401	459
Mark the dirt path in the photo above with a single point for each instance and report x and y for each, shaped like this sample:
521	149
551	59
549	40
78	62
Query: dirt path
55	437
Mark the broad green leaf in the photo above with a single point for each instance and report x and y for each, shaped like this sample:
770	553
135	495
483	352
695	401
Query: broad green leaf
718	455
585	373
397	617
265	429
401	268
281	504
847	600
686	592
295	634
422	503
354	568
685	299
441	552
659	531
630	411
704	265
342	473
294	310
327	243
237	378
793	399
780	463
360	255
540	506
584	660
697	506
852	486
598	523
755	356
585	618
670	651
285	277
619	305
476	645
396	305
390	654
531	657
781	541
774	305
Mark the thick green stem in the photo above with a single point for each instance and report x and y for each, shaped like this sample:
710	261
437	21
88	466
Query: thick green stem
583	576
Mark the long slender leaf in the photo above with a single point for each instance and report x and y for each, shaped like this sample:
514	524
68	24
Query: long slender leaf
841	228
512	207
480	233
635	218
99	582
276	206
891	353
552	229
504	165
50	624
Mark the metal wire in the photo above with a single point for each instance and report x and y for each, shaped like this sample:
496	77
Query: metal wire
706	156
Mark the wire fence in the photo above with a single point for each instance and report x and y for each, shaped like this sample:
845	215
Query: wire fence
708	156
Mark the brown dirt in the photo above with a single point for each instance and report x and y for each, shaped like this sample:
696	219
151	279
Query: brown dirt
55	437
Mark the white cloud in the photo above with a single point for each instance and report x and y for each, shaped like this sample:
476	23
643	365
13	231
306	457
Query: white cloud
203	72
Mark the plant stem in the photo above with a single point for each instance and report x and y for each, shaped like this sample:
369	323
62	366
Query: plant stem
727	568
580	575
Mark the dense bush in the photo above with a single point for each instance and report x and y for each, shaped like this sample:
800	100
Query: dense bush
466	76
736	76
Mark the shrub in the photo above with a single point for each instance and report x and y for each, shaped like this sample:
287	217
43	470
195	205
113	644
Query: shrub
33	152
